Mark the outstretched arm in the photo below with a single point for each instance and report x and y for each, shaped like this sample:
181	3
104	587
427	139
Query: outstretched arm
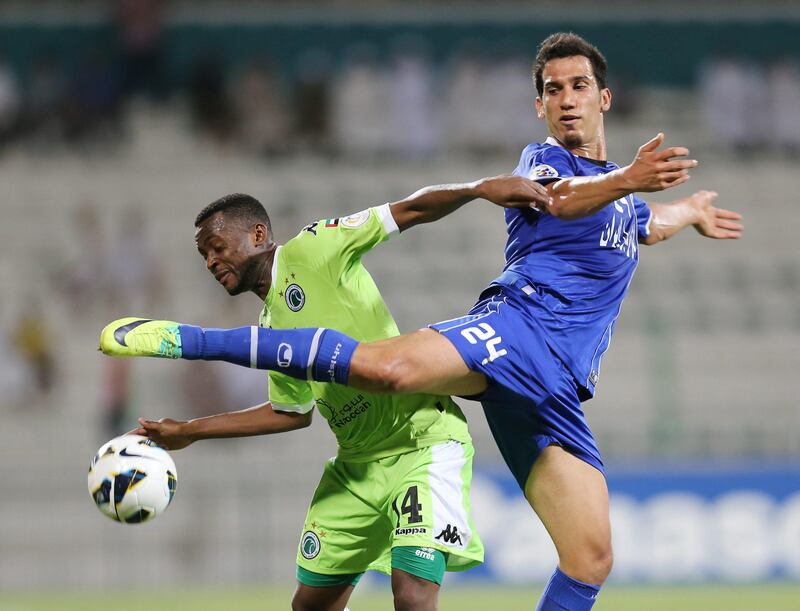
697	210
652	170
432	203
258	420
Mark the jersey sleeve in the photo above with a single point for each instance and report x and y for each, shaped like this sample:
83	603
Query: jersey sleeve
643	217
287	394
545	164
337	244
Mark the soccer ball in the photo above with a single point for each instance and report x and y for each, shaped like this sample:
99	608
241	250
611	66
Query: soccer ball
132	480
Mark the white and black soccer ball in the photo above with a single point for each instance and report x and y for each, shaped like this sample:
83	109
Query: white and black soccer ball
132	480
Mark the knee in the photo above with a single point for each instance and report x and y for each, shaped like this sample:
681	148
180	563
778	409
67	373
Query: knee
591	566
602	564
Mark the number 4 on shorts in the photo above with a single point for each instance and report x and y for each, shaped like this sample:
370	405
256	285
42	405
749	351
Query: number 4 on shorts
410	506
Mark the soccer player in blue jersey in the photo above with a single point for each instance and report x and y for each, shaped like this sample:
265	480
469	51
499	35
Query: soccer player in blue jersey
530	349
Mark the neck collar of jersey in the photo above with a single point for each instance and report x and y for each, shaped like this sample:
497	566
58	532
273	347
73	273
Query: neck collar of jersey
599	162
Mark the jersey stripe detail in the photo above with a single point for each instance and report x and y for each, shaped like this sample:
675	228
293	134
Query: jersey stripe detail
385	214
447	494
312	353
649	220
254	347
275	266
294	409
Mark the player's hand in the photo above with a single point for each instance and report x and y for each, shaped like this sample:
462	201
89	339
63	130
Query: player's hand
514	192
167	433
714	222
656	170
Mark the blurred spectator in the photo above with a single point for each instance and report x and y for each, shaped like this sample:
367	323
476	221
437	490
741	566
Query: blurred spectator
625	91
33	340
203	393
45	98
15	379
312	102
361	106
82	279
468	102
141	38
259	104
728	86
212	115
414	118
116	397
132	278
94	110
10	99
784	112
510	119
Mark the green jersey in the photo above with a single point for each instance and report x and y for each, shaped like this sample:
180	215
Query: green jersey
318	280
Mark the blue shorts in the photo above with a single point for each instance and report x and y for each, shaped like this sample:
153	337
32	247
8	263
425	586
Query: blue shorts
532	400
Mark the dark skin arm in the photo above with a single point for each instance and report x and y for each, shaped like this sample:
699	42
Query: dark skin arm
433	203
257	420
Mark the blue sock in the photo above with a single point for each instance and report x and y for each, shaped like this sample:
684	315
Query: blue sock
563	593
322	355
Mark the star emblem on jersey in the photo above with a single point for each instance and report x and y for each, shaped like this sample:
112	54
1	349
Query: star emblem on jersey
295	297
309	545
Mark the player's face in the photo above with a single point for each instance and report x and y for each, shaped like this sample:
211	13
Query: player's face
228	250
572	103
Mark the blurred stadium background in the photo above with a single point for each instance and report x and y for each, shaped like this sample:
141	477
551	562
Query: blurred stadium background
120	120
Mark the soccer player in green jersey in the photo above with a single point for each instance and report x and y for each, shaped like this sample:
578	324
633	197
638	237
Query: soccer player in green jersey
396	497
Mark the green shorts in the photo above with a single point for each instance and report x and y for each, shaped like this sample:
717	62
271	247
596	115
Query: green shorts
360	511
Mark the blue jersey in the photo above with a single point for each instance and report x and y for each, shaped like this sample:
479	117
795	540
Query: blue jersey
577	272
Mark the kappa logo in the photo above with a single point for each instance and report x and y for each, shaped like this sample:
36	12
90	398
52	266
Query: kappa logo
411	530
544	171
355	220
310	545
450	535
295	297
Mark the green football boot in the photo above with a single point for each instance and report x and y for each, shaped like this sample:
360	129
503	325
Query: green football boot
142	337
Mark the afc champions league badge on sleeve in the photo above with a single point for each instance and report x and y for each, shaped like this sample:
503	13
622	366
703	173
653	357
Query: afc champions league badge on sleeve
309	545
543	171
355	220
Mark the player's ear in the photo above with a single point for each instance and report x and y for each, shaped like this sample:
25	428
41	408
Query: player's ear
260	234
539	107
605	100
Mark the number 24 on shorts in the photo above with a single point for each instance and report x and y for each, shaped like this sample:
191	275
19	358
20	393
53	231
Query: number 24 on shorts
483	332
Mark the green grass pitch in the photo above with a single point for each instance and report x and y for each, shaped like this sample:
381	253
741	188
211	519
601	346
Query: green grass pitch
772	597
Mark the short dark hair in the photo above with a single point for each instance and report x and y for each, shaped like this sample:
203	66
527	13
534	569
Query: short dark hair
568	44
244	208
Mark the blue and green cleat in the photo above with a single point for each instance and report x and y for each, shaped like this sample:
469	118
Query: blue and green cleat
141	337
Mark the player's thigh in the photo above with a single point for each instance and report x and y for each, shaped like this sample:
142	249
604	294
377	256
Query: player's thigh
423	361
570	496
329	598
